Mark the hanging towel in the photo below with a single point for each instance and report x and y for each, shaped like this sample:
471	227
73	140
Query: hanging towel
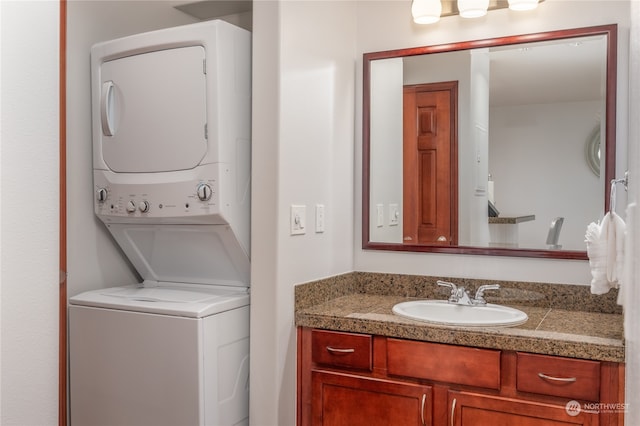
605	248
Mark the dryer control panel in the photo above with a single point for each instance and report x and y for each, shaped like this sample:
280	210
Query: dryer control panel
185	197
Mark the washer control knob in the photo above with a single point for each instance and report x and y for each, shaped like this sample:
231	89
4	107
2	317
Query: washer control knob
143	206
204	192
131	207
101	195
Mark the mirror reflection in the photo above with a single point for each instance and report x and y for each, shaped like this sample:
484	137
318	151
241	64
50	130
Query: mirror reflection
485	147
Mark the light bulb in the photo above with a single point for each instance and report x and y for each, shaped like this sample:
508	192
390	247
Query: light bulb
473	8
426	11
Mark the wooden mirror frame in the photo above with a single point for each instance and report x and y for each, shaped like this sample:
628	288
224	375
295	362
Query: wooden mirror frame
610	138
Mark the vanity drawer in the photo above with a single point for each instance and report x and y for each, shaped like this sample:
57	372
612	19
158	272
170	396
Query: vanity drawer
444	363
338	349
564	377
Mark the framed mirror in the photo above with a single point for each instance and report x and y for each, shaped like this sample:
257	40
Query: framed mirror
478	147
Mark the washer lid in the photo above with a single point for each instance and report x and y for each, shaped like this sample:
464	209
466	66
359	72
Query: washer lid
194	254
166	299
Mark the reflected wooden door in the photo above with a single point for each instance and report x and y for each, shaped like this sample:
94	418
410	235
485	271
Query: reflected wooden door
430	158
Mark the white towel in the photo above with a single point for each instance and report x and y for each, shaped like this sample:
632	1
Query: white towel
605	248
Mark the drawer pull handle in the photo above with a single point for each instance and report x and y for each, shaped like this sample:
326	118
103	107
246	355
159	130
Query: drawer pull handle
557	379
424	400
338	351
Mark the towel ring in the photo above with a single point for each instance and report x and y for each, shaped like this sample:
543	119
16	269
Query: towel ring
614	183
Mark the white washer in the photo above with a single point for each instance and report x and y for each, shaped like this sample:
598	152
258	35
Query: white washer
168	355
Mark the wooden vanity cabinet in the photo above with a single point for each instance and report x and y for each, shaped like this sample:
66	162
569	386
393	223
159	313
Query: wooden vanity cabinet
358	379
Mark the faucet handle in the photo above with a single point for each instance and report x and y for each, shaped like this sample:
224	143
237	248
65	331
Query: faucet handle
452	286
479	298
453	298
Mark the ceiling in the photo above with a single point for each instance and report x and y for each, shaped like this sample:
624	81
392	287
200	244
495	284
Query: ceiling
569	70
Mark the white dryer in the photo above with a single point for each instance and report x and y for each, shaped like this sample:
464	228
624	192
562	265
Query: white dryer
171	159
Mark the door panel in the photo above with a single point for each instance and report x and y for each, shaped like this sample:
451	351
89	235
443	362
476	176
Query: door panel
341	399
469	409
150	103
430	164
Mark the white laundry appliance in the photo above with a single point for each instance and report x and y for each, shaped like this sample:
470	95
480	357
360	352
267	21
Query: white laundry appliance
171	160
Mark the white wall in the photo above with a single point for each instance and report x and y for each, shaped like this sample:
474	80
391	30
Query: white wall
29	192
386	149
632	292
303	97
385	25
94	260
552	157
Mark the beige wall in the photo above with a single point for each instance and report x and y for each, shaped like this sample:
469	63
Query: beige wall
29	201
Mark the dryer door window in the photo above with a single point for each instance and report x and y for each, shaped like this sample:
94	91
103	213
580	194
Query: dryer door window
153	111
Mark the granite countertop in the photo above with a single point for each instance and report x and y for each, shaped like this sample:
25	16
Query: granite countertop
564	320
512	219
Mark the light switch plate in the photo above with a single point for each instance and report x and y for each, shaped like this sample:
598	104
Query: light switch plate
394	215
379	215
298	219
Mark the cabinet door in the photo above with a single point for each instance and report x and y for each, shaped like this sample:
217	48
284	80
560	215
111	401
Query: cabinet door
470	409
345	400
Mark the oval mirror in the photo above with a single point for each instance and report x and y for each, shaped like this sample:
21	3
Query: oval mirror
477	147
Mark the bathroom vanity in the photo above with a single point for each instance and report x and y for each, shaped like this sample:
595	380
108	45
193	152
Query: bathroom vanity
358	364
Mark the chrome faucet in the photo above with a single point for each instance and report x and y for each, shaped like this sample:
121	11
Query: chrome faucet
460	296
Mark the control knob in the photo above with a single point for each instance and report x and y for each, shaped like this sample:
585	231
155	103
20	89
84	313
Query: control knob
204	192
131	207
101	195
143	206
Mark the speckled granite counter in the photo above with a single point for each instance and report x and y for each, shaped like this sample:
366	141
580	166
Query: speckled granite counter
564	320
512	219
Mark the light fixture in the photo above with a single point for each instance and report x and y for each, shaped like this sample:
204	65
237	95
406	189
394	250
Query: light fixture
523	4
426	11
473	8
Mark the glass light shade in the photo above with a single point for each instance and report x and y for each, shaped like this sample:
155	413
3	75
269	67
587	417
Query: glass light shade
426	11
523	4
473	8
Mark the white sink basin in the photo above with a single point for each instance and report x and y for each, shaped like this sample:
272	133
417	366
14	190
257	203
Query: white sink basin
443	312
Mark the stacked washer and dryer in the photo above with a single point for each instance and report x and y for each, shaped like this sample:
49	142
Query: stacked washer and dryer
171	169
